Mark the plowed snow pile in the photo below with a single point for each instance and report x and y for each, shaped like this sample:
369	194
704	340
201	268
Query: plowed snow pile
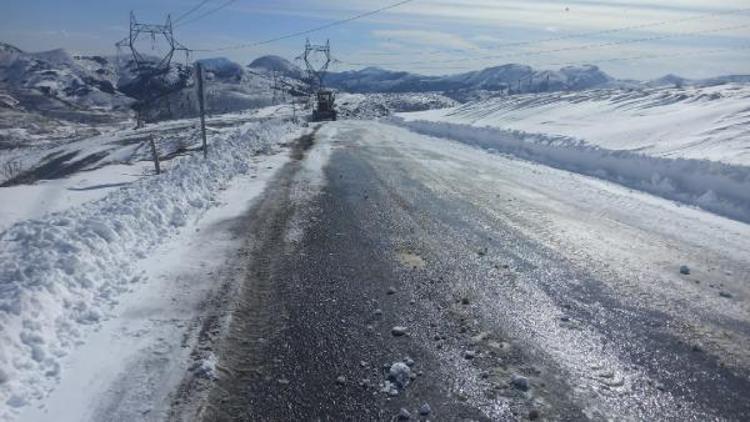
690	145
63	271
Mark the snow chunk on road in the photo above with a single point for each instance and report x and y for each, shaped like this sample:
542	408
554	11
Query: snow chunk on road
64	271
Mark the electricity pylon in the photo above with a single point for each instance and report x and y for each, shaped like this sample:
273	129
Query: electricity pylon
155	31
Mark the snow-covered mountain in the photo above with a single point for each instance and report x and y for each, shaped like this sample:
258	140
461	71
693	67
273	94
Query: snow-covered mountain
222	67
38	89
277	64
509	77
57	82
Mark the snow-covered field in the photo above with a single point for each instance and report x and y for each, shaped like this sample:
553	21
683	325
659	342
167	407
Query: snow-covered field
690	145
65	263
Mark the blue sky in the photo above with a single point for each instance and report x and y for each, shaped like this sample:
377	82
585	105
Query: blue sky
425	36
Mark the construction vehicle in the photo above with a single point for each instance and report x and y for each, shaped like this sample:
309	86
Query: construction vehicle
324	109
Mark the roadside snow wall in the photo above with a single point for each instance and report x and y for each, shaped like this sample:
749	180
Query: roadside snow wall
717	187
64	271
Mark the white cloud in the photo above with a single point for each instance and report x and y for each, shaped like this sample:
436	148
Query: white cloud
422	37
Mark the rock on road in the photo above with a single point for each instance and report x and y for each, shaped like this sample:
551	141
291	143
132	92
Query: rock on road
392	275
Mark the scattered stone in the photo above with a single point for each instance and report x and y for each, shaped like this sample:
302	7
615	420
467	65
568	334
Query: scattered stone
520	382
400	374
391	290
412	302
470	354
409	361
684	269
533	414
404	415
482	252
565	318
436	337
363	364
378	312
425	409
398	331
283	381
464	300
697	348
725	294
479	338
390	389
341	380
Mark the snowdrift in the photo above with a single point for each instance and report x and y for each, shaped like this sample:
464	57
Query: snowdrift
62	272
717	187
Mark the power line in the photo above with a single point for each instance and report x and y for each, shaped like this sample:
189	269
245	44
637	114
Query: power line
308	31
210	12
627	28
557	50
597	33
191	10
612	59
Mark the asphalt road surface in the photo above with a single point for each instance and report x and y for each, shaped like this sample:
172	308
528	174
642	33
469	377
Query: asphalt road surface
519	292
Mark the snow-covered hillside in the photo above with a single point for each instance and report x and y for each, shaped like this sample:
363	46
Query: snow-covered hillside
703	123
690	145
78	82
277	64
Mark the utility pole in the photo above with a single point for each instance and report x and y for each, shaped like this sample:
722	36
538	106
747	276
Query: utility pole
154	154
201	105
274	88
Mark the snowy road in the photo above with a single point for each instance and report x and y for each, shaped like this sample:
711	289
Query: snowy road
500	271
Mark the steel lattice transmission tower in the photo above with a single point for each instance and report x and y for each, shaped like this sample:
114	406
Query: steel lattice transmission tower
155	32
323	98
316	74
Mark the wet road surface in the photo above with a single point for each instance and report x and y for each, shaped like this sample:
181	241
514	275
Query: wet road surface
522	292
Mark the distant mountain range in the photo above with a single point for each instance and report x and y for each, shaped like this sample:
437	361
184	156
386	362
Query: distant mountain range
513	78
60	85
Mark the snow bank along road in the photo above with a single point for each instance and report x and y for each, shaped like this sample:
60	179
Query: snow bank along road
385	270
107	296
